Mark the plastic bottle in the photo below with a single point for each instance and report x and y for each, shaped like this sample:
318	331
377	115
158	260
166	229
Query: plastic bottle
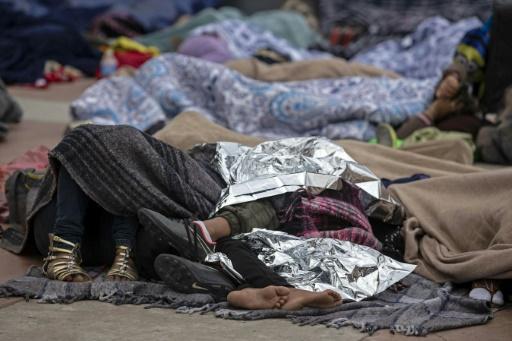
108	64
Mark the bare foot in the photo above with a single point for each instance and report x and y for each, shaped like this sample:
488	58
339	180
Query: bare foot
299	299
441	108
271	297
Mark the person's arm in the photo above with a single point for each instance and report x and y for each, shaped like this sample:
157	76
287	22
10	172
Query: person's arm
436	112
413	124
244	217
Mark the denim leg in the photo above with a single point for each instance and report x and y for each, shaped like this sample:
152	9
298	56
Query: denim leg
124	230
72	204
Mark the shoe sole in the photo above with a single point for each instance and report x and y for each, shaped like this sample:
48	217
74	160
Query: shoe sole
180	275
147	218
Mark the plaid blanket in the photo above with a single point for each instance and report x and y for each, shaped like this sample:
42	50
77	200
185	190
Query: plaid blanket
333	214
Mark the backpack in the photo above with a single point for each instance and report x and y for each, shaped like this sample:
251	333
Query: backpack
20	190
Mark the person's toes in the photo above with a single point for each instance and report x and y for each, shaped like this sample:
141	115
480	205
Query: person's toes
480	294
282	291
280	302
334	295
498	298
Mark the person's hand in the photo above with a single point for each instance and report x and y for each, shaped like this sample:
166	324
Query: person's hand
449	87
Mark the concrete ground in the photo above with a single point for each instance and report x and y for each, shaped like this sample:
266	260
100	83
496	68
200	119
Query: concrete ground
46	115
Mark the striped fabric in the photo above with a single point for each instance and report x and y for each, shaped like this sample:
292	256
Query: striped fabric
123	170
333	214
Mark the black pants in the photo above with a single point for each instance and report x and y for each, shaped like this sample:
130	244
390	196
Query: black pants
246	262
67	215
72	209
98	249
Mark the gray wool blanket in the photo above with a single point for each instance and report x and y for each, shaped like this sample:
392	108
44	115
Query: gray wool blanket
420	308
123	169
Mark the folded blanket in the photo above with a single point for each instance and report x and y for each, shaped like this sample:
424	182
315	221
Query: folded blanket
461	227
336	108
305	70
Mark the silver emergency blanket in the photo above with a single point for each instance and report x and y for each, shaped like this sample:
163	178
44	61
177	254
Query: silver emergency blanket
287	165
316	264
223	261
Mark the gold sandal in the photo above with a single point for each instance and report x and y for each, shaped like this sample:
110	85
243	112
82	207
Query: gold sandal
123	265
63	262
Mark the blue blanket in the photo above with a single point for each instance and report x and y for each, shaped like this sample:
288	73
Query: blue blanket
336	108
422	54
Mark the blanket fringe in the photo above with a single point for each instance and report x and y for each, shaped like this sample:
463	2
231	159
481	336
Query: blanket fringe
409	330
201	310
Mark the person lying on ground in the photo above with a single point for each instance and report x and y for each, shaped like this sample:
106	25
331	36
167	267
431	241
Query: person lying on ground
270	291
100	176
70	207
191	277
458	99
260	287
263	289
120	170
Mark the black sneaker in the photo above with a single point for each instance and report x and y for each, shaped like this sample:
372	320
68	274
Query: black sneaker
189	277
188	238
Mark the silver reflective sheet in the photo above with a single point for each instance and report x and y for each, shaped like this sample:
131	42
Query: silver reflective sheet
225	263
316	264
282	166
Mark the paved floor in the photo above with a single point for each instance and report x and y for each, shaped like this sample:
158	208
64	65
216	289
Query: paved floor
20	320
46	117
